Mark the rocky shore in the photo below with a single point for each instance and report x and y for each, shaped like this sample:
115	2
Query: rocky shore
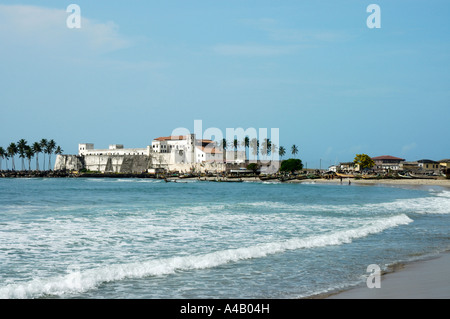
67	174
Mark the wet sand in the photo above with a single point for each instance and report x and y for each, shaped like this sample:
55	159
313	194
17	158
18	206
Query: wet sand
427	279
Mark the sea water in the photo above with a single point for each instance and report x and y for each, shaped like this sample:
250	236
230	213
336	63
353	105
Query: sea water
145	238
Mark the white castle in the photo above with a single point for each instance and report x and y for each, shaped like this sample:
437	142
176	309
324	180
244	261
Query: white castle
179	153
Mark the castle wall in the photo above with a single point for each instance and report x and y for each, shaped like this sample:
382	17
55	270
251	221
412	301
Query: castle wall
172	162
68	162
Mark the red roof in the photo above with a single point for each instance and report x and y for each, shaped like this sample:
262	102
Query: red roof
387	157
171	138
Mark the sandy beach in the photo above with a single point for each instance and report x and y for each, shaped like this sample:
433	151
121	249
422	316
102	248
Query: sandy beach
426	279
393	182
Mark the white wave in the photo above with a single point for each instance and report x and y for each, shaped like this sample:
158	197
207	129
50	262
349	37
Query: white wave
438	203
81	281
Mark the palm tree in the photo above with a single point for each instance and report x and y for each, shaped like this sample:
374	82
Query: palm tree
51	145
265	149
2	156
12	151
29	153
254	145
273	149
282	151
59	150
37	149
246	143
223	146
235	145
21	147
43	144
294	150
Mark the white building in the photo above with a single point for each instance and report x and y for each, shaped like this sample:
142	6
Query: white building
187	149
333	168
173	153
114	149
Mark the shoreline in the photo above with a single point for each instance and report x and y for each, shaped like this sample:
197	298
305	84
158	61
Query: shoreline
412	182
425	278
346	181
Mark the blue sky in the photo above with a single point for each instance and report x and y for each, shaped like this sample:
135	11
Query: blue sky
137	70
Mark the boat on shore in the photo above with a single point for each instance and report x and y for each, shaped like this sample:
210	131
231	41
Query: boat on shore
267	177
226	180
422	176
286	178
345	175
370	176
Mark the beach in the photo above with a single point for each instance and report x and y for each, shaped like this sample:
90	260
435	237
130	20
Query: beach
393	182
426	279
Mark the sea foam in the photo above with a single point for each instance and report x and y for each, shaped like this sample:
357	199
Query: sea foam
83	280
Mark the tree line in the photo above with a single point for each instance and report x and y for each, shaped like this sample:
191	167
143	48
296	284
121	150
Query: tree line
267	147
26	151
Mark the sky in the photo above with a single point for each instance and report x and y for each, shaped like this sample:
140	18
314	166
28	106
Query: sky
137	70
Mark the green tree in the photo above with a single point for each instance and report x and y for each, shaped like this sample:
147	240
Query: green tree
235	145
254	145
12	151
29	153
2	156
43	144
294	150
51	145
223	146
21	147
265	147
282	151
291	165
246	144
37	149
364	161
59	150
273	149
253	166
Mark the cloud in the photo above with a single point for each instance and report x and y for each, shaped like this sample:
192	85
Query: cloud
24	27
280	41
252	50
276	32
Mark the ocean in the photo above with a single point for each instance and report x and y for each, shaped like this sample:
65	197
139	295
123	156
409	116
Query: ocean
107	238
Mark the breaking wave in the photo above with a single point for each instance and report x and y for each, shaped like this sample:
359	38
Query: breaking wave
438	203
81	281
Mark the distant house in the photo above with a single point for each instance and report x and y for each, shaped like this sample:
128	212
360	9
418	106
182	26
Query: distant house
409	166
444	163
429	165
387	162
348	167
333	168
